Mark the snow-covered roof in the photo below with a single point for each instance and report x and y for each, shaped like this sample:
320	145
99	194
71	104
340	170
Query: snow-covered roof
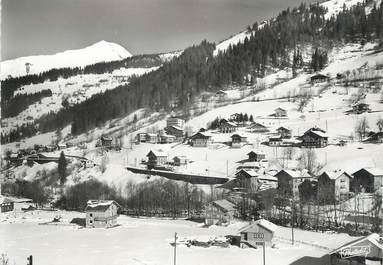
374	239
225	205
296	174
261	222
374	171
99	205
319	133
158	153
256	152
230	123
267	177
203	134
238	134
251	173
283	129
5	200
333	175
175	127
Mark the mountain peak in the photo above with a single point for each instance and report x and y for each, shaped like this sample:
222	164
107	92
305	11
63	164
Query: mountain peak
102	51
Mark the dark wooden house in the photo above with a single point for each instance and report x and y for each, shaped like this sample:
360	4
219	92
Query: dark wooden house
284	132
106	141
314	137
237	140
6	204
227	126
367	180
175	130
201	139
256	156
319	78
257	128
375	138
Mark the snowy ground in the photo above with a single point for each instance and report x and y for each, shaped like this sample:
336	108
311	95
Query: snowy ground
144	241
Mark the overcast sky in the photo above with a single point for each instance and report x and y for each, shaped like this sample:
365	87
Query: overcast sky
32	27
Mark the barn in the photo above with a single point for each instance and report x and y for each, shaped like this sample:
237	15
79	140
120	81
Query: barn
101	214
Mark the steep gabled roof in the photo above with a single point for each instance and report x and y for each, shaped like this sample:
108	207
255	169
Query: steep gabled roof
250	173
201	135
333	175
374	239
375	171
256	153
100	205
225	205
262	223
157	153
295	174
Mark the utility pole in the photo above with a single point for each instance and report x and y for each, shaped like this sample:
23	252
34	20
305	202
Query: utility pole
175	248
292	222
264	253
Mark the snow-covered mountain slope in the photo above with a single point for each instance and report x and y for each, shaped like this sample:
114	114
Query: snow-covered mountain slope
73	90
333	8
224	45
102	51
336	6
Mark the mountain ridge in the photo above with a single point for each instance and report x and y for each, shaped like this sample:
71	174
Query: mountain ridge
102	51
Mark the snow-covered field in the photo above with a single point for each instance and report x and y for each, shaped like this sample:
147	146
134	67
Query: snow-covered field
144	241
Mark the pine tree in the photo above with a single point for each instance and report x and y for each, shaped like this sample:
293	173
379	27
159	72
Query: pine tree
62	168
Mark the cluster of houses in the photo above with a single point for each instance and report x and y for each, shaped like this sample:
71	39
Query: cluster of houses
173	132
332	185
158	159
312	138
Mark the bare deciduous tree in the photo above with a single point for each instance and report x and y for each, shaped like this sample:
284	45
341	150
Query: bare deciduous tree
361	128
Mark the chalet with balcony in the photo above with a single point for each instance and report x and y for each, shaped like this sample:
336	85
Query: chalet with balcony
319	78
201	139
176	131
314	138
257	128
227	126
238	140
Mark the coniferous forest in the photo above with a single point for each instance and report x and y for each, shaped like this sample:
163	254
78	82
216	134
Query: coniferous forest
275	44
